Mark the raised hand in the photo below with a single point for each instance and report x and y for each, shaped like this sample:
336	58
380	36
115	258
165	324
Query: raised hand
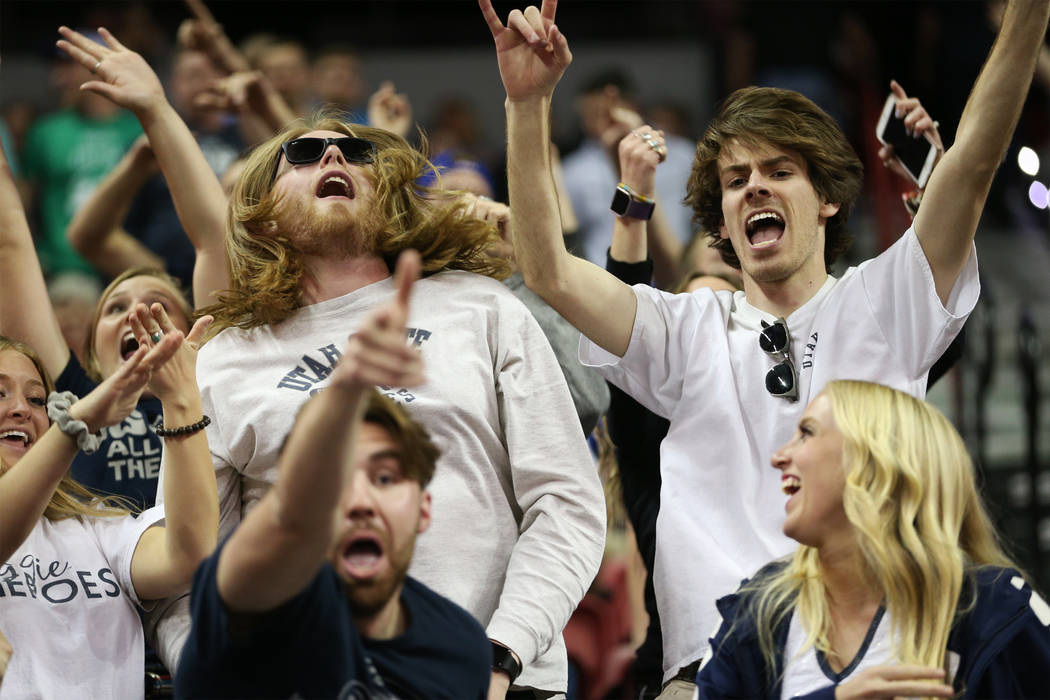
390	110
917	122
532	53
377	353
121	75
112	400
178	376
237	92
641	151
203	33
892	681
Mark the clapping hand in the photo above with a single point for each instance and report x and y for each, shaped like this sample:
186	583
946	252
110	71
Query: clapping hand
151	326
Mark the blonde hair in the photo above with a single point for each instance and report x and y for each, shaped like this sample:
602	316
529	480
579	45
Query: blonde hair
265	270
921	528
91	365
70	499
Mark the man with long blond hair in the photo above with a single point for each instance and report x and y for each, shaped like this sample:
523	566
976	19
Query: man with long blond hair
314	222
774	180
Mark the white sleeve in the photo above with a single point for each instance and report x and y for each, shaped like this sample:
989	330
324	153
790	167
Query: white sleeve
118	538
900	291
665	328
556	485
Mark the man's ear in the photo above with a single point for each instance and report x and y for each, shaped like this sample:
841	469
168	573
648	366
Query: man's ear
424	512
723	233
269	227
829	209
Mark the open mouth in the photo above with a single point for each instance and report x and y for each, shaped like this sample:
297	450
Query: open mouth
16	438
790	485
335	185
764	228
362	556
128	345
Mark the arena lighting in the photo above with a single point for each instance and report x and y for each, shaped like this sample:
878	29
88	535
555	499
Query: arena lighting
1028	161
1037	195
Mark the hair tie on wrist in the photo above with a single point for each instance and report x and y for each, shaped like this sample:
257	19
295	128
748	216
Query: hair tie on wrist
190	429
58	404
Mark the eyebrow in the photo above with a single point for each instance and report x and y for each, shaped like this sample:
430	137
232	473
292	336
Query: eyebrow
389	453
31	382
767	163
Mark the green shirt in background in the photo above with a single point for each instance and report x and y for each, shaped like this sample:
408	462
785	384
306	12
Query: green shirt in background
66	156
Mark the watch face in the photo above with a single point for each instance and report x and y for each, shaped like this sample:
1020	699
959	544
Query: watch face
621	200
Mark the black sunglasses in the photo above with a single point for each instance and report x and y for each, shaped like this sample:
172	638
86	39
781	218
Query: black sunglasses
309	149
781	379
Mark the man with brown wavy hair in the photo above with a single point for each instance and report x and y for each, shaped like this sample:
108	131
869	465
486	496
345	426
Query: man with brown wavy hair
774	179
315	221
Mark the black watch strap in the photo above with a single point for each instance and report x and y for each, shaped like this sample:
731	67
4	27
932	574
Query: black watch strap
626	203
503	659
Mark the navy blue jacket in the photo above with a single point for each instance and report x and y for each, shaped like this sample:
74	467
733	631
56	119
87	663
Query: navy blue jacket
1003	642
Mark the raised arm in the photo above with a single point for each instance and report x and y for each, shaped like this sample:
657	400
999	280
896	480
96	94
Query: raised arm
532	55
166	557
391	110
640	151
283	541
203	33
124	77
27	486
957	190
26	313
96	231
260	109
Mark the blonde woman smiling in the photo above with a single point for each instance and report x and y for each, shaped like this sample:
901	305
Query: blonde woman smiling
899	587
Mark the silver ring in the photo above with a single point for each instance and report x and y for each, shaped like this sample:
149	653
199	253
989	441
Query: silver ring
647	137
97	64
155	336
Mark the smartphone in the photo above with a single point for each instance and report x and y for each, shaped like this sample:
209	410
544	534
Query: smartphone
917	155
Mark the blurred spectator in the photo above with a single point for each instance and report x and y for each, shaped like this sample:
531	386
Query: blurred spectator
338	81
66	154
287	66
73	297
591	170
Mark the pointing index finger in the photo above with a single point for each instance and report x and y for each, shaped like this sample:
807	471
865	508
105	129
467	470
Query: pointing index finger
406	274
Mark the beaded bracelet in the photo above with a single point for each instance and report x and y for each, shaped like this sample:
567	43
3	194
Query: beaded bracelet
190	429
58	403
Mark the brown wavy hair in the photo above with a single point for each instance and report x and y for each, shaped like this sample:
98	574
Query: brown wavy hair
70	499
265	269
761	115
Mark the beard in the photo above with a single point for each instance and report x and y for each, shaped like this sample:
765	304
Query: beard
368	597
329	231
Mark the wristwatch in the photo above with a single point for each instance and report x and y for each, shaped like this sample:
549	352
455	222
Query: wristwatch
503	659
627	203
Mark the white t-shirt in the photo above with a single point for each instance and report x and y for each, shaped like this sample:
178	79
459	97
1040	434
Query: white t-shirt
518	511
67	606
808	671
695	359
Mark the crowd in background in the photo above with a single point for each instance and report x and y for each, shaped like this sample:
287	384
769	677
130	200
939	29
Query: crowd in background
125	189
